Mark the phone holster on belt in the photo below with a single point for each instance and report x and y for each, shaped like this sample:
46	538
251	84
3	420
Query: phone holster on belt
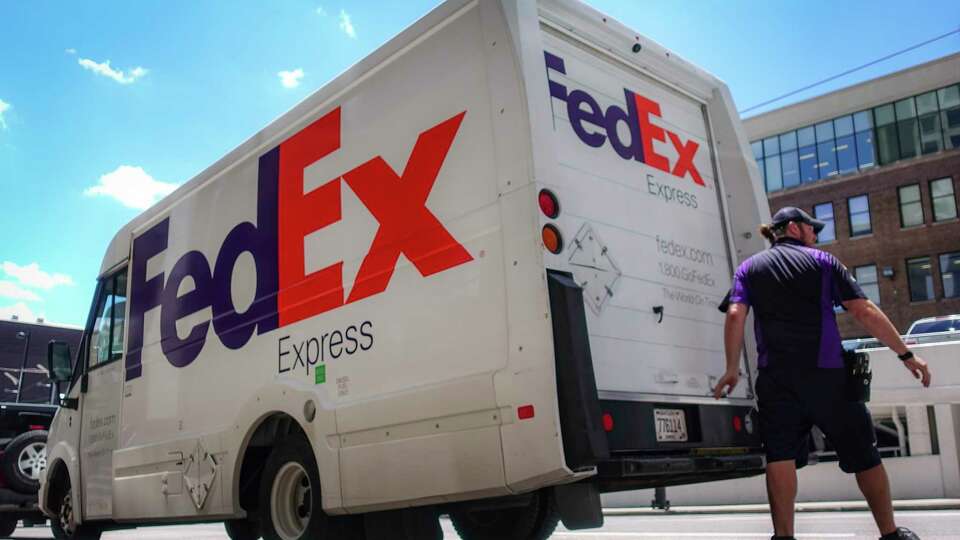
859	376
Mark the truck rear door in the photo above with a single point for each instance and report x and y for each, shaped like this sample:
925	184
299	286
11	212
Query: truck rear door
644	229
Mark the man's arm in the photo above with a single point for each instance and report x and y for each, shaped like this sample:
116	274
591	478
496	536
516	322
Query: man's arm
876	322
733	328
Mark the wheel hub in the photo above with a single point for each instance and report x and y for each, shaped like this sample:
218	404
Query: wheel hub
32	460
290	501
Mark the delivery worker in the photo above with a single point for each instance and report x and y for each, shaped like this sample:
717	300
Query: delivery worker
793	289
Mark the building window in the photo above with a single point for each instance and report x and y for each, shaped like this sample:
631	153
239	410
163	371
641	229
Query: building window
773	178
863	124
944	202
950	274
757	147
859	210
824	212
911	209
949	99
846	146
806	139
920	279
826	150
907	128
888	146
928	114
866	277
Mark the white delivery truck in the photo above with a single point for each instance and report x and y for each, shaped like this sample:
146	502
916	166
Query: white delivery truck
477	274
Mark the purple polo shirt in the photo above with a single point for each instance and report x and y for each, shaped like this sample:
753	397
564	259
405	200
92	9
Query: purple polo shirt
792	290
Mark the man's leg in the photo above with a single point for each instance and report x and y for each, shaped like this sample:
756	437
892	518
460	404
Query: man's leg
875	487
782	493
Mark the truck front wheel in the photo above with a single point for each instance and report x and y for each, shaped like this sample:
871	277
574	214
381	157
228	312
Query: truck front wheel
64	525
290	504
534	521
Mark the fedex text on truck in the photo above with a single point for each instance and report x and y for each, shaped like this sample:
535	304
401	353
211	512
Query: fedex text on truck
637	119
285	293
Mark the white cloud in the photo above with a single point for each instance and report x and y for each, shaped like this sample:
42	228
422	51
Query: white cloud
290	79
347	25
21	310
32	276
70	51
321	12
104	69
9	289
4	107
131	186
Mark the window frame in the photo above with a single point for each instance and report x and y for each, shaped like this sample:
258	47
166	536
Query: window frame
933	207
876	273
850	217
833	218
919	201
919	258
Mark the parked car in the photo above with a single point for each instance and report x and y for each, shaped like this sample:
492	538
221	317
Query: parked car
934	329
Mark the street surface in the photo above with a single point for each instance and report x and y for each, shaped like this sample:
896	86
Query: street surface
928	524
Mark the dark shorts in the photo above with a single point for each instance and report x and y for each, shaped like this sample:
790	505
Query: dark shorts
791	403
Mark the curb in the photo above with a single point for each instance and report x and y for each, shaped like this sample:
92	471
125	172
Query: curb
837	506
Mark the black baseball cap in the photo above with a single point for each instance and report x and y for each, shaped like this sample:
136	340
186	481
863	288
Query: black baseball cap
792	213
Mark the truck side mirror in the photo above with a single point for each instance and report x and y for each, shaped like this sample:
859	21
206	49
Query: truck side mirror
59	361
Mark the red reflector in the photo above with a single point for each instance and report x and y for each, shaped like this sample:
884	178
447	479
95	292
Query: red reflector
607	422
548	204
36	428
737	424
525	411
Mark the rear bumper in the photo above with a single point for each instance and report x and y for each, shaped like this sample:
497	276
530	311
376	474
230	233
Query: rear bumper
638	472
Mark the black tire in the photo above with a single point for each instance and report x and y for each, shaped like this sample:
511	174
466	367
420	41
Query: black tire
7	526
536	521
291	471
62	525
242	529
24	460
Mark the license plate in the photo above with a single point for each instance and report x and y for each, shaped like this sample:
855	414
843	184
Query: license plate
671	425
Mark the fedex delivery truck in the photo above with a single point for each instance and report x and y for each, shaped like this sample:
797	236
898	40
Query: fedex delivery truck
477	274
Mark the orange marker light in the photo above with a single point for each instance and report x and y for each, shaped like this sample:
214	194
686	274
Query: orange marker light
552	239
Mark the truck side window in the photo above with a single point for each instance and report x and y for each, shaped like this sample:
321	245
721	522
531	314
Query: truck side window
106	340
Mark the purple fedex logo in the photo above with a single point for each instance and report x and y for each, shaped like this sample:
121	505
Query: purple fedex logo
595	127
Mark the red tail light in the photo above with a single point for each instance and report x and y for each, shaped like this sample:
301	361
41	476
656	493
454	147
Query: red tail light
525	411
548	204
607	422
737	424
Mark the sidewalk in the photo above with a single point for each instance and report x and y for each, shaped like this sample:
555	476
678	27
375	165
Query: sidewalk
836	506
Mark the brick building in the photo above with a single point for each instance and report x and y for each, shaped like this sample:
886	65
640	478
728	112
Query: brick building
880	162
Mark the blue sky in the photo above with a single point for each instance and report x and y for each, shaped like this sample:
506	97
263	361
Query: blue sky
105	106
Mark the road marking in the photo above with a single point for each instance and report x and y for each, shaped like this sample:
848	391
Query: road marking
590	536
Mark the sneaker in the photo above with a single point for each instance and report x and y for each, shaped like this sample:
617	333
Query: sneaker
902	533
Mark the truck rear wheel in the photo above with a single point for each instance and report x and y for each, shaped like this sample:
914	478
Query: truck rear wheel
535	521
7	526
290	506
242	529
24	460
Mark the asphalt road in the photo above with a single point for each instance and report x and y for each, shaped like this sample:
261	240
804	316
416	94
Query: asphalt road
928	524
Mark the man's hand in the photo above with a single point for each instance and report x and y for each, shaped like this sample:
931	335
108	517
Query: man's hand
728	381
919	368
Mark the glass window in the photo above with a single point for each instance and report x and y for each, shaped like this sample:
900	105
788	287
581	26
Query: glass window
791	169
771	146
920	279
862	120
944	201
773	178
859	210
827	159
927	103
757	147
949	99
846	154
931	140
805	136
843	126
865	154
763	173
908	129
950	274
824	212
106	339
824	131
911	209
808	163
788	141
888	145
866	277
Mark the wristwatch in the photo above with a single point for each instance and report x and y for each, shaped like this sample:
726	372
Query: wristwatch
905	356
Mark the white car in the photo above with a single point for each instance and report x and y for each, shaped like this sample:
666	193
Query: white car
934	329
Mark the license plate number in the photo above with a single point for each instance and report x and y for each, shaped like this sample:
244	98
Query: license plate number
671	425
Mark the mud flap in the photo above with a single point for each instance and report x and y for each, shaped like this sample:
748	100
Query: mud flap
579	505
584	440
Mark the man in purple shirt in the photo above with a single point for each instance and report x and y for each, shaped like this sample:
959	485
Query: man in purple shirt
793	289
